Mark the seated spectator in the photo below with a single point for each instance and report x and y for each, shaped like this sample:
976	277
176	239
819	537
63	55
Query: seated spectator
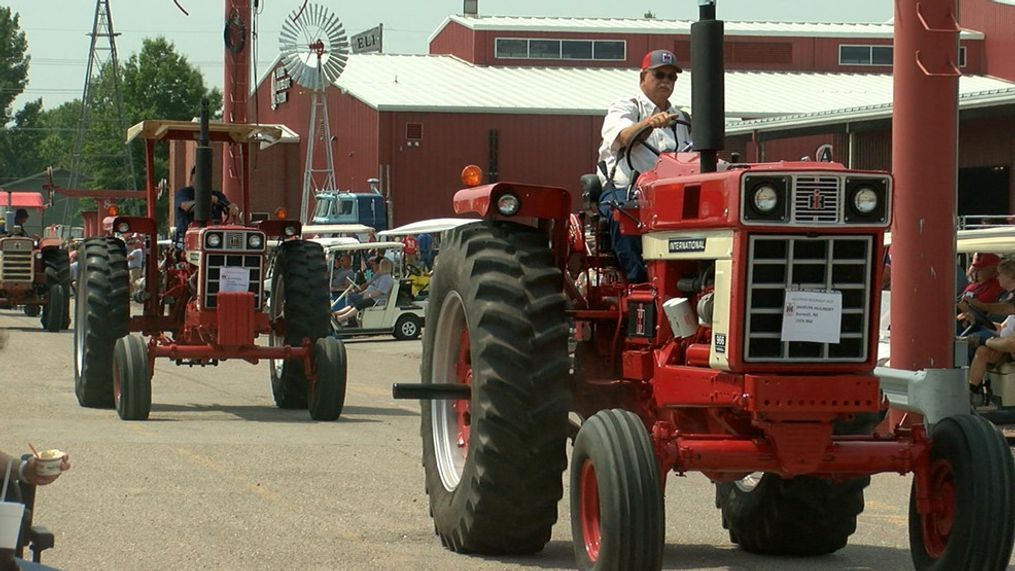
374	293
984	288
996	311
341	275
996	348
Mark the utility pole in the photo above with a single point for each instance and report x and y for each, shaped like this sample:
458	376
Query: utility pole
101	56
237	85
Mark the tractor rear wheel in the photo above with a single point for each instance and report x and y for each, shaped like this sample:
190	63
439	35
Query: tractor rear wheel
802	516
102	316
972	487
132	383
299	310
496	322
56	315
328	397
616	495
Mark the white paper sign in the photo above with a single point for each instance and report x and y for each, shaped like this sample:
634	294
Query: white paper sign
812	316
234	279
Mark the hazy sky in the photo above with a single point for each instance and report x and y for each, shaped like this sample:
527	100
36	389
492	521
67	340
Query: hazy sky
58	42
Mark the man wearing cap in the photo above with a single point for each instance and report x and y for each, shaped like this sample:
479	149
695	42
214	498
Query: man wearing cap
18	229
985	286
625	117
220	205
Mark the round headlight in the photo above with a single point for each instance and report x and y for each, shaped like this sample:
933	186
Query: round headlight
865	200
214	240
765	198
508	205
254	241
123	227
289	230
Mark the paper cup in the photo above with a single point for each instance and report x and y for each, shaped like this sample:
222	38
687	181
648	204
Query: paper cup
10	524
48	462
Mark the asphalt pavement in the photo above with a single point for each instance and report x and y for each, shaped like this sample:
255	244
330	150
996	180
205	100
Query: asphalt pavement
219	478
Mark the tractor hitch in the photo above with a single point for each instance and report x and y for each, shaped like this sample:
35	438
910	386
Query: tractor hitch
431	391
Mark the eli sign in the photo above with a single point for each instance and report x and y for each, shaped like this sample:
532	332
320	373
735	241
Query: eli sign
368	41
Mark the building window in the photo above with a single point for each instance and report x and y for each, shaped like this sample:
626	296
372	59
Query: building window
539	48
962	56
877	55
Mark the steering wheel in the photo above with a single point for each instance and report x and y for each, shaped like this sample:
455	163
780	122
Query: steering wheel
979	317
641	137
413	270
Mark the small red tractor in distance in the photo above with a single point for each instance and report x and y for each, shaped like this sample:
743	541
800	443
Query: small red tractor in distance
703	368
206	303
34	274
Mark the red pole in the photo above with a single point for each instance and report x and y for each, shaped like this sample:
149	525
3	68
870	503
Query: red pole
236	86
925	164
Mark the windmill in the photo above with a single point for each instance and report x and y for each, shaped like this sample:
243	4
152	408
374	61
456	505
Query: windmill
314	51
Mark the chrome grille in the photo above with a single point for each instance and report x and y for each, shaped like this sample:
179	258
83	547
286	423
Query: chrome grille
778	263
215	263
816	199
236	241
16	266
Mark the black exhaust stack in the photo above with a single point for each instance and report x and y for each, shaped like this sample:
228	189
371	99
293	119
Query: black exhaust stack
708	94
202	173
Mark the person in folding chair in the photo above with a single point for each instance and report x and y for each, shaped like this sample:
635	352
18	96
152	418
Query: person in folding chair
376	293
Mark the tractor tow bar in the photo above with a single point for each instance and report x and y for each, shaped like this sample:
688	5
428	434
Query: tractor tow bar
431	391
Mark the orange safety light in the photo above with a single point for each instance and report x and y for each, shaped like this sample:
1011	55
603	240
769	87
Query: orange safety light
112	210
472	176
281	213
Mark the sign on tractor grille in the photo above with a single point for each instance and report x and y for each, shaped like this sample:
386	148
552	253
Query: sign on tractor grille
816	199
826	263
214	276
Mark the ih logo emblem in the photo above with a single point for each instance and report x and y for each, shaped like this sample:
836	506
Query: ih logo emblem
817	201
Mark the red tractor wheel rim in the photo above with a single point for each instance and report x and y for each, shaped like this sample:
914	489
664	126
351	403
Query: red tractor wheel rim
463	375
937	523
589	511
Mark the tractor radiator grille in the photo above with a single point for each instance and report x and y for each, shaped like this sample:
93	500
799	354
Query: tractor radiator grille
213	274
16	266
778	263
816	199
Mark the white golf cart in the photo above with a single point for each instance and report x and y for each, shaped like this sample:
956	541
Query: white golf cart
402	316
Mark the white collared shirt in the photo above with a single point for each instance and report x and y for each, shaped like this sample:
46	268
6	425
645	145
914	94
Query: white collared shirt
624	113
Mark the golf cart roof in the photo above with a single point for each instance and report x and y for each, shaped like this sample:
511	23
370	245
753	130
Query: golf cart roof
359	246
217	131
431	225
328	241
996	240
321	229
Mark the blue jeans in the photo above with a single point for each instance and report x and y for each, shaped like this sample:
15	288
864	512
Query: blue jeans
626	248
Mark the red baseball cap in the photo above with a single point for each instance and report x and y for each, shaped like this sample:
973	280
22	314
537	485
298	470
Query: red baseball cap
985	260
660	58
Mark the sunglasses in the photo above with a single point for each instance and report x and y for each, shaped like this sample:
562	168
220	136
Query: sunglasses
661	75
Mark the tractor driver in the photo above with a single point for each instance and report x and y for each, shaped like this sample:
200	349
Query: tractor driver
625	117
20	217
185	207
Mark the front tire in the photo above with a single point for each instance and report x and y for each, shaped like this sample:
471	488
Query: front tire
407	327
496	322
972	488
132	383
102	317
330	364
616	495
299	297
802	516
56	315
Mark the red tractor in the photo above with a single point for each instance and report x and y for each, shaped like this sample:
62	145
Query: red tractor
204	302
748	356
34	275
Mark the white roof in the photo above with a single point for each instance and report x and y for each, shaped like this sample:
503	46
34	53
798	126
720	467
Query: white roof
427	226
332	229
356	246
617	26
442	83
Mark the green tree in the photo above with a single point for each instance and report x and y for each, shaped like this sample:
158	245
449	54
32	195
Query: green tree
649	15
13	62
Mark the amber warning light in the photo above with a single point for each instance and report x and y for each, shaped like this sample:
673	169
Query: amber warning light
472	176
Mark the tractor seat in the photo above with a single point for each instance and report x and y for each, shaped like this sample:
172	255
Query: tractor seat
592	189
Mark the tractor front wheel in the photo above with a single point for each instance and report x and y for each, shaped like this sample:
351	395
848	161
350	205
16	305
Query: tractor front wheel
616	495
971	521
56	314
328	396
496	323
802	516
132	383
299	310
102	315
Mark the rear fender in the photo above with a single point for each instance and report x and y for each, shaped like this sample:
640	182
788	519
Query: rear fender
135	224
272	228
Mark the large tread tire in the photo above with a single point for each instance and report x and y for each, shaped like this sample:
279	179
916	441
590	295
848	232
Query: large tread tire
102	316
132	383
498	292
802	516
301	295
972	466
616	495
328	397
56	316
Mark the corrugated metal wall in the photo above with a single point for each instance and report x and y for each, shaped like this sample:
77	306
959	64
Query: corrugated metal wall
997	22
457	40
